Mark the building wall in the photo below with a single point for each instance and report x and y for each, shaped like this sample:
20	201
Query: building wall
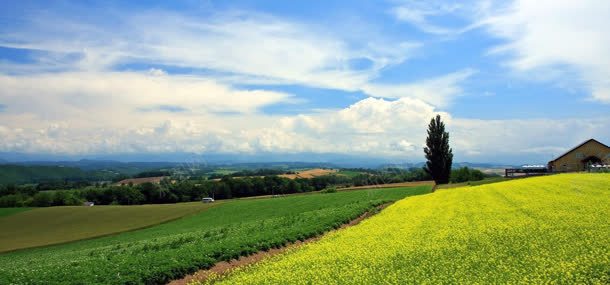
573	160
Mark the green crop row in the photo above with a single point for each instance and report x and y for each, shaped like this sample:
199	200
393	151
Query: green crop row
169	251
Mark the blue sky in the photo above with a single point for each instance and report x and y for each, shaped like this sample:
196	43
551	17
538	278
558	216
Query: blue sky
516	81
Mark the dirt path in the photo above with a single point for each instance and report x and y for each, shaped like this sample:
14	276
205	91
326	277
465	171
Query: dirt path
225	267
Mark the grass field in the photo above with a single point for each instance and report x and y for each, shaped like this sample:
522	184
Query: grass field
542	230
11	211
172	250
52	225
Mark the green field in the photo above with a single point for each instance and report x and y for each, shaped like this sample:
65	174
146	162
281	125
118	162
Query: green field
52	225
542	230
11	211
157	254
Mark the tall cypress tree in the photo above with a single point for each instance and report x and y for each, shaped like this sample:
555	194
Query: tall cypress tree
438	152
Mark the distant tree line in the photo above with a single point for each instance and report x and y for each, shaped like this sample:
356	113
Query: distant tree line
36	174
193	190
256	172
154	173
226	188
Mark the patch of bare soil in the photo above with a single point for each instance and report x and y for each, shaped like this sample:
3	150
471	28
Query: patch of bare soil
224	267
310	173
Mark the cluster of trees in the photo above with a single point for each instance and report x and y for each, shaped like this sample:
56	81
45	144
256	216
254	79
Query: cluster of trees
465	174
152	173
256	172
62	184
24	174
193	190
390	175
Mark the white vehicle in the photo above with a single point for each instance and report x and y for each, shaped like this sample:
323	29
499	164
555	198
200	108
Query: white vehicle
207	200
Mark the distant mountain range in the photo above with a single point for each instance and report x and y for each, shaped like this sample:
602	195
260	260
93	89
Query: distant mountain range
191	158
28	168
131	163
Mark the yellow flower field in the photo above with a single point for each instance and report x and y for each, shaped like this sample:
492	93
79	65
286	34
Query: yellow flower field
552	229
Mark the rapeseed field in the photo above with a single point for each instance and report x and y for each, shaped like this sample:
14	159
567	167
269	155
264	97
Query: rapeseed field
552	229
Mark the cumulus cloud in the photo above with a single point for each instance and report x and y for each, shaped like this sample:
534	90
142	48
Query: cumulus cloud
371	126
394	130
368	126
547	36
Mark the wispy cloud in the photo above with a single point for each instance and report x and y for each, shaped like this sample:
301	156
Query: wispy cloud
552	36
425	16
439	91
164	108
248	44
90	94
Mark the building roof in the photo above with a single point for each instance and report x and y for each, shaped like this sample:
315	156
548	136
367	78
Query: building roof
574	148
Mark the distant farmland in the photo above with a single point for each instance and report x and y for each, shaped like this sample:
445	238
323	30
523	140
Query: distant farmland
310	173
45	226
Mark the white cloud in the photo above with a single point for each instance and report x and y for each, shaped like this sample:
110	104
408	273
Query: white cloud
72	100
555	35
156	72
424	14
245	44
88	94
395	130
371	126
523	140
438	91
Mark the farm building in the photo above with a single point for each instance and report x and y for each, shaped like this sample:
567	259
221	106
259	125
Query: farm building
591	152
